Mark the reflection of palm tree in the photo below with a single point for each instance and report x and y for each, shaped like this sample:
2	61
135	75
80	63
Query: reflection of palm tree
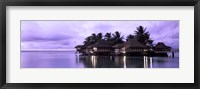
117	38
143	36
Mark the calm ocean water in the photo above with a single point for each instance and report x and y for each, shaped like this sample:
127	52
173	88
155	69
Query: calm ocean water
60	59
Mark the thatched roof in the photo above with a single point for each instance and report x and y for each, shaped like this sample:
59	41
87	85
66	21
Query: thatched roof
81	46
78	46
101	44
133	43
118	45
161	45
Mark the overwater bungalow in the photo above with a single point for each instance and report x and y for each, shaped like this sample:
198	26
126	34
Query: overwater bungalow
81	49
100	47
161	49
118	48
133	47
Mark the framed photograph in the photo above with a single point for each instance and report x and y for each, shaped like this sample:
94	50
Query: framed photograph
99	43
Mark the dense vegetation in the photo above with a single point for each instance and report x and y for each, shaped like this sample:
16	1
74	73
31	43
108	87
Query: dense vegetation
140	34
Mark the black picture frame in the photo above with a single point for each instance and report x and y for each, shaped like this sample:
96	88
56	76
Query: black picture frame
4	3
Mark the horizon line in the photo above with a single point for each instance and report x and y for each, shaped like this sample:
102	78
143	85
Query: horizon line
48	49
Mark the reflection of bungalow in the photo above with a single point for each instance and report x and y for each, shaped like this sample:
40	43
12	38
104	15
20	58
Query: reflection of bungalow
161	49
133	47
100	47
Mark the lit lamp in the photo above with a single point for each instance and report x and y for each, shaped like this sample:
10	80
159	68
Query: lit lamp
95	49
123	50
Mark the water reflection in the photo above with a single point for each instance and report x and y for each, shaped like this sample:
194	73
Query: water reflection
127	62
70	60
94	59
124	61
151	62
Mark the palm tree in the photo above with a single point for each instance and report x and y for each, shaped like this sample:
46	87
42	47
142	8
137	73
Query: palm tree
99	36
93	38
143	36
130	36
108	36
88	40
150	42
117	38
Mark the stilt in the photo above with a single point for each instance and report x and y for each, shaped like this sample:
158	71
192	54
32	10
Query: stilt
172	54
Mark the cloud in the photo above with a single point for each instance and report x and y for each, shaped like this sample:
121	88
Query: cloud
46	38
67	34
103	27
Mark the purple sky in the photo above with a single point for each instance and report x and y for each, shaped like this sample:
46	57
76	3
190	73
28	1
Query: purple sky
67	34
